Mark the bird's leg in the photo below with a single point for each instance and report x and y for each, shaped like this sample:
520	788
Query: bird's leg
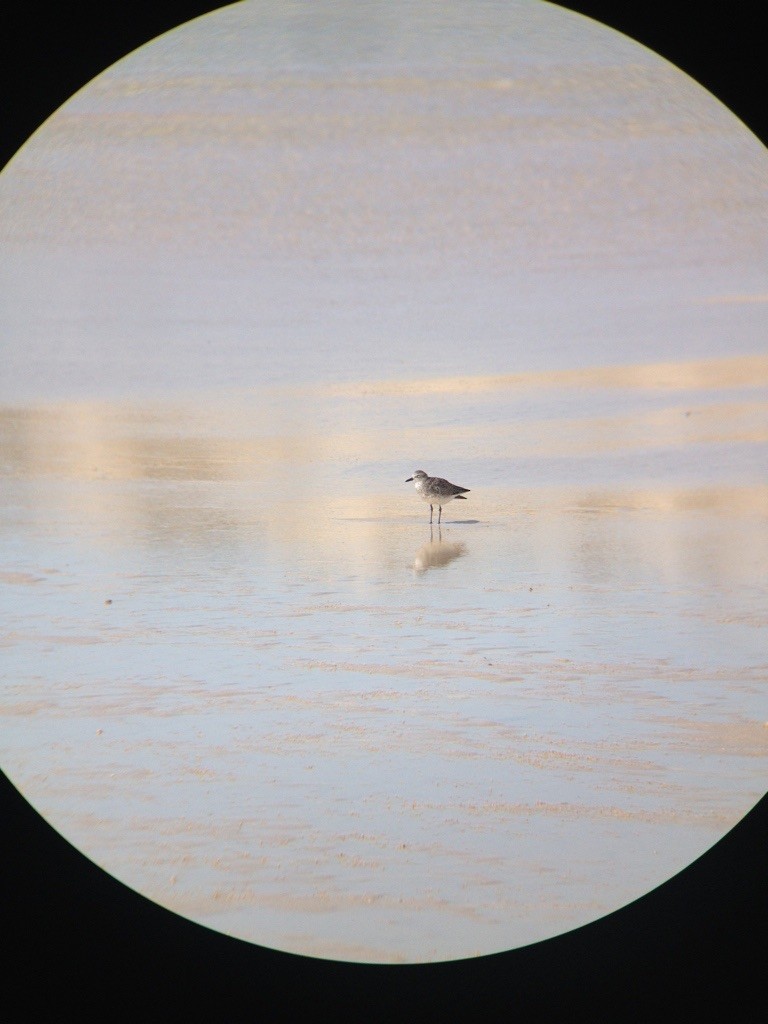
430	515
439	514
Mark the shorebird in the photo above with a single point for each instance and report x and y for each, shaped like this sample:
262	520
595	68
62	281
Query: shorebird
436	491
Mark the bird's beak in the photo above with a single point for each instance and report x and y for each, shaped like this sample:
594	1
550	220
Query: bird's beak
409	479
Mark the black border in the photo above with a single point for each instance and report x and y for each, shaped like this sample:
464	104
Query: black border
75	941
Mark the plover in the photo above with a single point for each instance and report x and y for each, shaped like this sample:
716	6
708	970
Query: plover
436	491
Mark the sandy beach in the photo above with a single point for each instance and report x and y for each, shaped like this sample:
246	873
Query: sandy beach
248	289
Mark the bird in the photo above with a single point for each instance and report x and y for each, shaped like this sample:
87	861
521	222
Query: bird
436	491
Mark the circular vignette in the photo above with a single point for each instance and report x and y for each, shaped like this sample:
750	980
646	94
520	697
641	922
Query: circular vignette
741	846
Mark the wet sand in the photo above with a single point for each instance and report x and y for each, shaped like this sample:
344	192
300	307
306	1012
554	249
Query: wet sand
252	278
247	677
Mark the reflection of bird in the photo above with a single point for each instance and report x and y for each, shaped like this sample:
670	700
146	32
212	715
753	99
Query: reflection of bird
436	491
437	553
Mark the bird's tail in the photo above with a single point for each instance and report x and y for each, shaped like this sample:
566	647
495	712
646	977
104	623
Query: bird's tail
460	496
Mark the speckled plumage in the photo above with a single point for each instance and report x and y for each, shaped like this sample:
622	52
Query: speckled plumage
436	491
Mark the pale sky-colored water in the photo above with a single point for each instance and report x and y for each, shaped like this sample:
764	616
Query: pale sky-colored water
516	188
251	278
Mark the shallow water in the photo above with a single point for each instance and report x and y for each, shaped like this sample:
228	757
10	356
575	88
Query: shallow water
252	279
248	676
